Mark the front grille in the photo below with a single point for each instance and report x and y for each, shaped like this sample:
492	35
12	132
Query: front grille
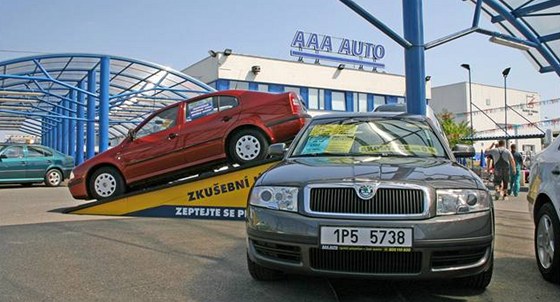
366	261
462	257
386	201
278	251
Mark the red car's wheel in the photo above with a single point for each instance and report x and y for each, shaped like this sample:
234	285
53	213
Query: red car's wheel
106	182
247	145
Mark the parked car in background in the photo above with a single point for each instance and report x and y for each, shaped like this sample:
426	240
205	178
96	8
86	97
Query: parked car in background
544	204
374	195
192	136
27	164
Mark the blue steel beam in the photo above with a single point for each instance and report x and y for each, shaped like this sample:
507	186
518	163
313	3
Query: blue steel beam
529	35
104	75
527	10
414	57
377	23
551	37
65	125
477	11
80	126
90	136
59	135
72	125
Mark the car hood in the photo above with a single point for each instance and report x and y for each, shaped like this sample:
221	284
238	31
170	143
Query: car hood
432	172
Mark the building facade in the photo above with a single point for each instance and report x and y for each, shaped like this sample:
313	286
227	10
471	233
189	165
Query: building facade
330	88
489	114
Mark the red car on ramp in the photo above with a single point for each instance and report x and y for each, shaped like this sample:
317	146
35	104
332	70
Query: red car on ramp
189	137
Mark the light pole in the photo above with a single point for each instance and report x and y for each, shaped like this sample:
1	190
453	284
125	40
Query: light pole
505	74
468	67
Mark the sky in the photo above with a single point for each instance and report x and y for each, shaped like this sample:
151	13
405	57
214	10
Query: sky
178	33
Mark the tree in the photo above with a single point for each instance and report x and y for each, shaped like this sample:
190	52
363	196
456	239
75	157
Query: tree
453	130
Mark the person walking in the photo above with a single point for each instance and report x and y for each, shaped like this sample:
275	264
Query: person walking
503	162
516	172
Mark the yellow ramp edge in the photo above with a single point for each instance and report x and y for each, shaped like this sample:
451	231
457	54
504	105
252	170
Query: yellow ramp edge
216	196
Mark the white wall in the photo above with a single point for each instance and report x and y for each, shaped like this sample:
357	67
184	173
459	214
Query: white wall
238	67
455	98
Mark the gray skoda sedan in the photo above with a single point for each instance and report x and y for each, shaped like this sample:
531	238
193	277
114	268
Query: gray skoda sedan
372	195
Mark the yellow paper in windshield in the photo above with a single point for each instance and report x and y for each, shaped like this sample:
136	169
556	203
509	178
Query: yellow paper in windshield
392	148
332	130
330	138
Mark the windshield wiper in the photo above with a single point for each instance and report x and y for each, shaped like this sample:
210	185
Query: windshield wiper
320	154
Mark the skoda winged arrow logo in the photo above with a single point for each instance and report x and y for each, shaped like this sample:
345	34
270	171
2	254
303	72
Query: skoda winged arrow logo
366	192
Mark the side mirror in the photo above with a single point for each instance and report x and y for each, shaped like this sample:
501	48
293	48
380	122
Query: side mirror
3	156
462	151
277	149
130	135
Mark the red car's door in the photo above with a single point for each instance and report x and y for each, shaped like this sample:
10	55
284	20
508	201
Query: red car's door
153	151
207	122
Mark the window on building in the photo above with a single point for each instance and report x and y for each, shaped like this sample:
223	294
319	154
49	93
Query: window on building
338	101
238	85
292	89
488	103
360	102
313	99
378	100
263	88
400	100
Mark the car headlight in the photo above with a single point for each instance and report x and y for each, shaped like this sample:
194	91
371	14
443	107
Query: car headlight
450	202
278	198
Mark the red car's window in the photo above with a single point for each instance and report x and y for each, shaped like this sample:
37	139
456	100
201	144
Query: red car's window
201	108
227	102
159	122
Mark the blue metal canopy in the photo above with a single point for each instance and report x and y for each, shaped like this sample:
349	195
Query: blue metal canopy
67	99
534	23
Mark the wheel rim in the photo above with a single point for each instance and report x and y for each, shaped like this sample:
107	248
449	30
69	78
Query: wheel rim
105	185
545	241
53	178
248	147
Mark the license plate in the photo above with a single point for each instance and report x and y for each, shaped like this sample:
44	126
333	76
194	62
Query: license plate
371	237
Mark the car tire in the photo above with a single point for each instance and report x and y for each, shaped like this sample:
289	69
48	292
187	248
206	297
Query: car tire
247	145
547	243
106	182
53	178
261	273
482	280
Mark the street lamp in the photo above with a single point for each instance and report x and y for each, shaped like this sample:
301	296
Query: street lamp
505	73
468	67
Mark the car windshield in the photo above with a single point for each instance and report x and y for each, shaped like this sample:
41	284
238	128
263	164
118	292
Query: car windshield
369	137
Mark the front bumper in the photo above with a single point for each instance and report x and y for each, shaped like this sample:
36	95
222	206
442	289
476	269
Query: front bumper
78	188
443	247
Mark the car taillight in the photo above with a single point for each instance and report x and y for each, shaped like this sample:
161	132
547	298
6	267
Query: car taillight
295	103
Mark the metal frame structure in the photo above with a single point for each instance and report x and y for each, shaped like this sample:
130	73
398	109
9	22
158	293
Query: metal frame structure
532	24
77	103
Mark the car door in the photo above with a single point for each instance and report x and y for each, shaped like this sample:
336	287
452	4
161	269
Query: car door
12	164
38	161
206	123
152	151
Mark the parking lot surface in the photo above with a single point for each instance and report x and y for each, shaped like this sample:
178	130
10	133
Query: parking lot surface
49	256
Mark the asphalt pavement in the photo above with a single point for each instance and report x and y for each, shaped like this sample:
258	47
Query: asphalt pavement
49	256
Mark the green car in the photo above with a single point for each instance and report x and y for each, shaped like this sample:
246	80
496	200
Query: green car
28	164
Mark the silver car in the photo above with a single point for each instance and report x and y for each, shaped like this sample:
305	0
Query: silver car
544	203
373	195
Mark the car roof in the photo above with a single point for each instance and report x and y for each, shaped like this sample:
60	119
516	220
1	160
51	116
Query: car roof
392	115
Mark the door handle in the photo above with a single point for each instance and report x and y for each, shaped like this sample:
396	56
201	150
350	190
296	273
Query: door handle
172	135
226	118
